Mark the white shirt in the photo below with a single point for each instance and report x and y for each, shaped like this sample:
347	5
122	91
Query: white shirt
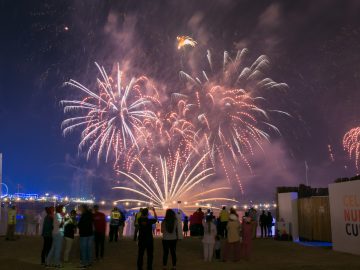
209	236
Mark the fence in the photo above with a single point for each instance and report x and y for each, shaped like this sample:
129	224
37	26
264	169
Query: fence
314	219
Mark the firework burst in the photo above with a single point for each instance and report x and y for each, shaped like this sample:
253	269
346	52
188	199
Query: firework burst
112	117
184	41
351	143
226	108
183	183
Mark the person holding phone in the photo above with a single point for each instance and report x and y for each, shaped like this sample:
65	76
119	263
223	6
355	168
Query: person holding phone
146	239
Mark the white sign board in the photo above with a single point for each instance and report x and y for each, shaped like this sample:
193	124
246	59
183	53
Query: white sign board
288	212
345	216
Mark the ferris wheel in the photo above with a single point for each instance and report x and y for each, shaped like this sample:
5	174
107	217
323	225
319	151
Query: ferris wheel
4	190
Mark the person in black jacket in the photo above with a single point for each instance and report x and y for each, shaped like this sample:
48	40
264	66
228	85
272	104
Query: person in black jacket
69	233
47	233
263	224
85	226
146	240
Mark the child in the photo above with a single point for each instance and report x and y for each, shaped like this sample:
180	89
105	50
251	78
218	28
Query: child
186	226
158	228
217	247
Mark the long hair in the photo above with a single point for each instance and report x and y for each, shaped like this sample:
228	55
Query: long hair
170	219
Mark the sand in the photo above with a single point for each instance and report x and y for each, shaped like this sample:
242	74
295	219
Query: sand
267	254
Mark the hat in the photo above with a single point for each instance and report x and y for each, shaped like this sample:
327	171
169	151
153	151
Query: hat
233	217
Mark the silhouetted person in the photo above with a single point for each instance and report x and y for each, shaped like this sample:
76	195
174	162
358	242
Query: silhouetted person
146	240
263	224
86	235
47	233
269	223
11	223
170	231
69	234
99	232
186	226
136	223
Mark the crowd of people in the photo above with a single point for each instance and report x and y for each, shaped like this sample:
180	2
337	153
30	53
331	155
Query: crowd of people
59	230
226	237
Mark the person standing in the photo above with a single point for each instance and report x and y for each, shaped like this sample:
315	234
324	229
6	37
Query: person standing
54	256
158	228
218	247
115	217
85	226
136	224
38	220
99	232
186	226
209	238
69	233
178	216
247	235
146	239
269	223
11	223
254	220
263	224
47	233
232	246
169	229
122	224
224	219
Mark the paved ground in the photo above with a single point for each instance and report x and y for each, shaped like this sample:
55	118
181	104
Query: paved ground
267	254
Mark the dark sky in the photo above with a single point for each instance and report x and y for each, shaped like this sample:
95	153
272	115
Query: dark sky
313	45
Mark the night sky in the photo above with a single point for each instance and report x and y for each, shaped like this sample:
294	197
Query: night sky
313	46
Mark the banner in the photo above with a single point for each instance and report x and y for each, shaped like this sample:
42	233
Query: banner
345	216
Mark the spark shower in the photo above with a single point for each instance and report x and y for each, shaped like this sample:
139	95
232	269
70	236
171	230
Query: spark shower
214	122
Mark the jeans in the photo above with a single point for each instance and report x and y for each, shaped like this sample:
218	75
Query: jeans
147	245
55	251
99	244
136	232
263	230
169	245
68	245
223	229
10	233
113	233
86	250
46	248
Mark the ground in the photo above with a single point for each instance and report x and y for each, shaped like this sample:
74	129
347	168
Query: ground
267	254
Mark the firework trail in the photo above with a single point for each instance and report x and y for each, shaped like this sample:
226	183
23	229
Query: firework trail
226	109
351	143
331	154
112	117
182	184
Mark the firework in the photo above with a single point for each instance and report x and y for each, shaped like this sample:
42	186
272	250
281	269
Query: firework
112	117
227	110
351	143
181	184
184	41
